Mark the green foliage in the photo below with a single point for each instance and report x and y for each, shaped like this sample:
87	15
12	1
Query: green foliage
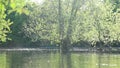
100	23
91	20
9	12
4	24
41	24
18	6
17	13
56	20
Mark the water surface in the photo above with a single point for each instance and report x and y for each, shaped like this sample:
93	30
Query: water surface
53	59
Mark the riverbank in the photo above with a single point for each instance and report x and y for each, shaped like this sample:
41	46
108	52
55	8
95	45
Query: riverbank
74	49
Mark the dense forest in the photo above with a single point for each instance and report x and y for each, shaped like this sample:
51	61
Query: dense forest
64	23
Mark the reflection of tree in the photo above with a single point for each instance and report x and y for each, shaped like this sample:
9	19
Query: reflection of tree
99	60
65	60
14	60
30	59
104	60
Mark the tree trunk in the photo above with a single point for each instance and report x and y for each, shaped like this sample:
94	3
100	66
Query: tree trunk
65	47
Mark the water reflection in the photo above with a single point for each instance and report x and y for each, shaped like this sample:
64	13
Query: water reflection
65	60
38	59
32	59
108	61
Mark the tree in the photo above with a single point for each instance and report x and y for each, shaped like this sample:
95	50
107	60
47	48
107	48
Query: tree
53	21
17	12
70	21
4	24
100	19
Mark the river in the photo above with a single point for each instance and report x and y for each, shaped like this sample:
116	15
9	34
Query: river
53	59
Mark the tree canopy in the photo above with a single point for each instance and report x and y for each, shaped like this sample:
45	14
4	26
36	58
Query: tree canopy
61	21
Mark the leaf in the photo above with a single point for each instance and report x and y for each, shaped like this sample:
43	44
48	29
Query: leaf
13	5
3	39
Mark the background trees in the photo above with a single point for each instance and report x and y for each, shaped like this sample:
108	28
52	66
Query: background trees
62	22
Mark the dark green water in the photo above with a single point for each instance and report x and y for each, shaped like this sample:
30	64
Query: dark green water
42	59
